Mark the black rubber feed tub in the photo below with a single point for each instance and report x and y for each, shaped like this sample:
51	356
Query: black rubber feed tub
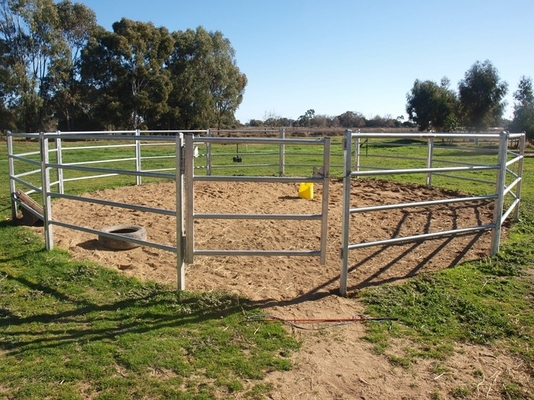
127	231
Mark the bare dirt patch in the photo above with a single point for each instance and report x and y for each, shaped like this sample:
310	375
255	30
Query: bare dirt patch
334	363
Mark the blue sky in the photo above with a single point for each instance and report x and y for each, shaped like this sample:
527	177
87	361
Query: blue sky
341	55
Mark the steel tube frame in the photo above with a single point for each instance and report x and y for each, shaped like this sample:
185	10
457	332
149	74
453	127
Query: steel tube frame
190	215
180	237
11	171
501	190
45	192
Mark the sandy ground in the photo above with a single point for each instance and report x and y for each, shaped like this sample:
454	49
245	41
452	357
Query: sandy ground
334	363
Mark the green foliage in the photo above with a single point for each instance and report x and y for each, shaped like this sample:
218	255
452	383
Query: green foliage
207	84
432	106
40	41
59	69
351	119
524	108
481	96
124	73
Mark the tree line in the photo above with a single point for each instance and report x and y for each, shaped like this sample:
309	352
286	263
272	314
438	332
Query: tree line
60	70
349	119
478	105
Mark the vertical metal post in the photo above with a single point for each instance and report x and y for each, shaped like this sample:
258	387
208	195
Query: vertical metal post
347	153
429	157
208	154
45	191
357	152
325	199
138	178
189	197
180	263
59	161
522	142
11	169
499	189
282	155
357	147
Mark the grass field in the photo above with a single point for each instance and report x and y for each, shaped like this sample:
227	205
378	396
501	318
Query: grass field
78	330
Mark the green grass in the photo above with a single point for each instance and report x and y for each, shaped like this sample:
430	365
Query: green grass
488	302
72	330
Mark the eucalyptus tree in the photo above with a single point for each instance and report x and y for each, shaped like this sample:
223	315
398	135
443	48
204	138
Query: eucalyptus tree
481	96
7	116
524	107
208	86
432	106
37	38
127	83
350	119
77	22
29	32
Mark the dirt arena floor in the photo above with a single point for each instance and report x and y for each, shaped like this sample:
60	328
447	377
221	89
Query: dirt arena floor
336	363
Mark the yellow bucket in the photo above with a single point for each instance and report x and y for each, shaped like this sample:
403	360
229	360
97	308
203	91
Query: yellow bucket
306	191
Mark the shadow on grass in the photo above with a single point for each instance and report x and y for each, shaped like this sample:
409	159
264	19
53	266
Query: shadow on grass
143	308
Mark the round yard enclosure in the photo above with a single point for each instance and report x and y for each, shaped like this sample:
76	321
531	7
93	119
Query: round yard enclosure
279	277
374	211
242	226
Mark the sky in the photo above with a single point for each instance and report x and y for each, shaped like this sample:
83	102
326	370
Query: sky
334	56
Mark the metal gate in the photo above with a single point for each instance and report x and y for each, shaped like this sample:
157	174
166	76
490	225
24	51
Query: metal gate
186	205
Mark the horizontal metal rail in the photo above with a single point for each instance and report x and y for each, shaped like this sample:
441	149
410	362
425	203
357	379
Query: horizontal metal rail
158	157
114	236
421	237
103	137
514	160
426	135
248	153
464	178
263	253
441	161
25	183
81	178
27	160
259	216
262	141
241	165
161	169
390	156
113	160
421	204
36	171
114	204
113	171
513	184
107	146
510	209
21	155
424	170
280	179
